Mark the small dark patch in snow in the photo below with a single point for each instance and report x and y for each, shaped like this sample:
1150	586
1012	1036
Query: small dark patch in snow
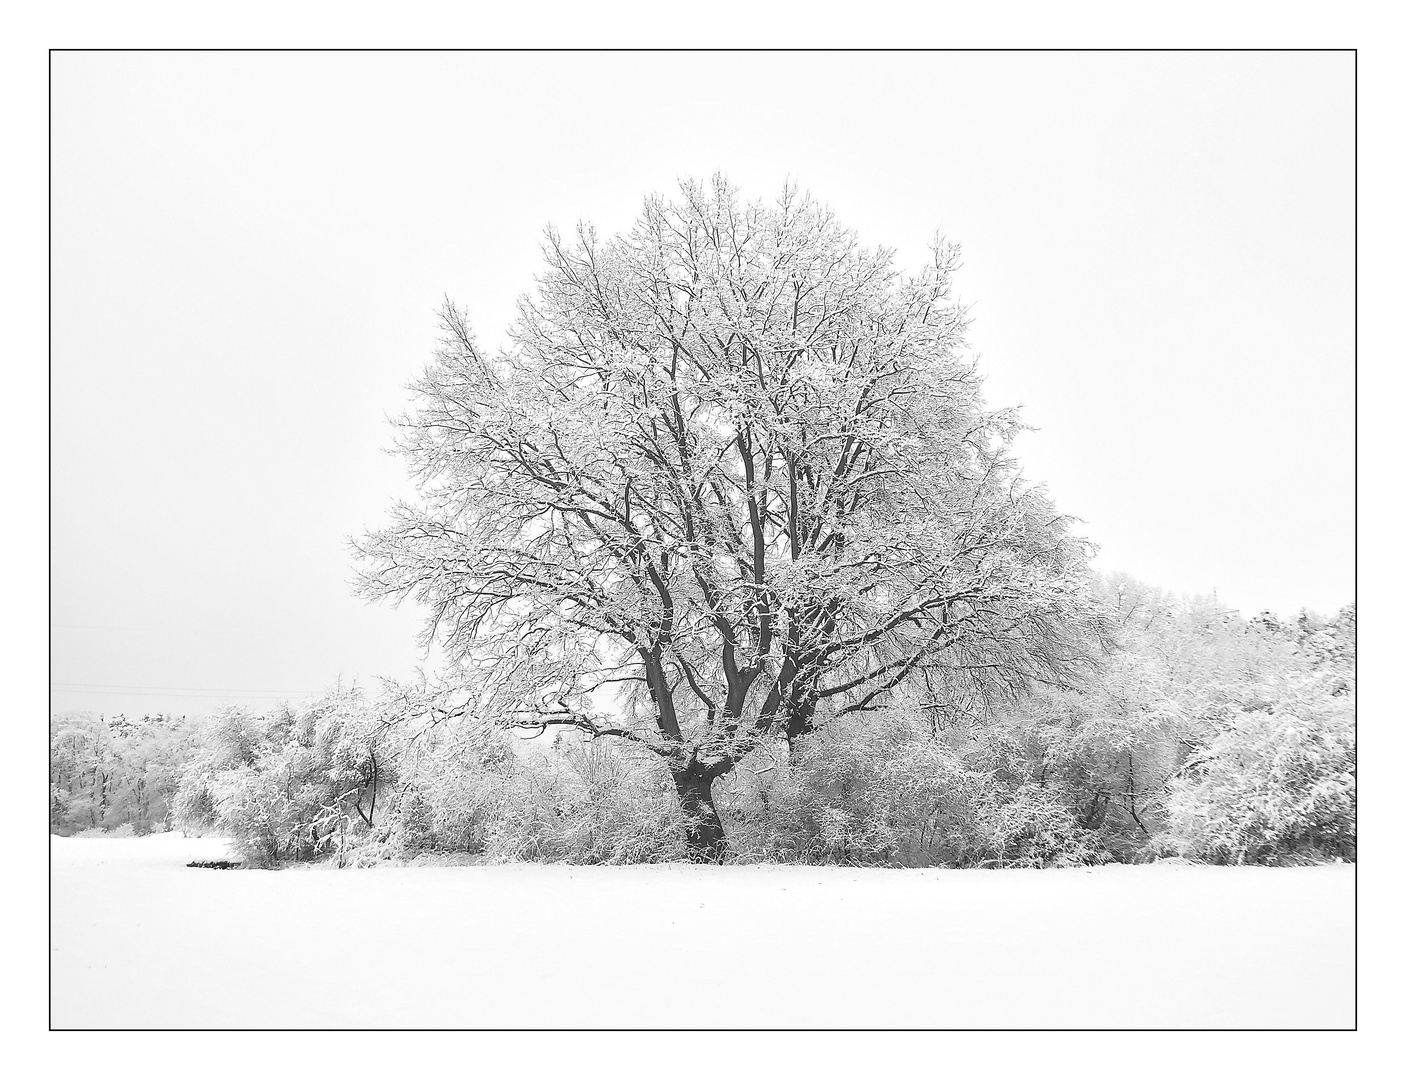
214	864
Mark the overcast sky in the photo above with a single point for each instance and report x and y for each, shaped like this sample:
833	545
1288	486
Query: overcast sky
248	251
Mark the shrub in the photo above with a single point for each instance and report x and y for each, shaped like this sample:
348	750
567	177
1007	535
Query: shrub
889	792
1031	827
194	807
1276	784
287	786
594	804
256	815
450	776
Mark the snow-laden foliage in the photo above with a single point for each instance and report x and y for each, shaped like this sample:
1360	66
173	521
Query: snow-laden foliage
891	792
287	787
733	470
355	780
1201	729
1274	784
469	789
453	777
1200	734
115	772
597	804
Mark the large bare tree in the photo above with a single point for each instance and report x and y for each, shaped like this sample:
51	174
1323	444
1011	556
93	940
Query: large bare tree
732	475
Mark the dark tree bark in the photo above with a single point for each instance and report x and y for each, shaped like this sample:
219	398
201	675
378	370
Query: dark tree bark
706	841
375	783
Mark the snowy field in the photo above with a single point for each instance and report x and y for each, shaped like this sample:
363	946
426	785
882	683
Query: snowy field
140	940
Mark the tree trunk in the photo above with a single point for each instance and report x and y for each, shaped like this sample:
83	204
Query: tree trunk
706	841
801	719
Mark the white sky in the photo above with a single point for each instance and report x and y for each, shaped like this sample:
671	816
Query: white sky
248	251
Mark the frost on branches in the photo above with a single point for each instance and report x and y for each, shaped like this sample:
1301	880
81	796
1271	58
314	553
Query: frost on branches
732	476
285	787
1276	783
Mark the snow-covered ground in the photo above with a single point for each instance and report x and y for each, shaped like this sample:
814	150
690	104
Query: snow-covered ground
140	940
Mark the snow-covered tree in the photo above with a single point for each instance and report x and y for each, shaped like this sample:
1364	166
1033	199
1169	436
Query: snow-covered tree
732	474
1204	733
1276	783
114	771
288	785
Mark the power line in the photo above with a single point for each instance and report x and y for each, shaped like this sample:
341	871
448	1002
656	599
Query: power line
232	695
104	688
132	629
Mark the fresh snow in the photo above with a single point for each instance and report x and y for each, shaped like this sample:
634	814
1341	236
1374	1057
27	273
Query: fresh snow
138	939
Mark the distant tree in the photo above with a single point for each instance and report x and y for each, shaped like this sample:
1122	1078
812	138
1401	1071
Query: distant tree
737	467
111	771
81	763
1206	734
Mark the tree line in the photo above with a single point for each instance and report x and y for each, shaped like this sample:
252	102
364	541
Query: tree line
1205	735
112	772
728	524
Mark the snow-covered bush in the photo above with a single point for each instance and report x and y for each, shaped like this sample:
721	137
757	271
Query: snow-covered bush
1169	746
891	792
829	800
470	789
1200	734
1030	827
194	805
594	804
290	785
443	809
260	819
1276	784
449	777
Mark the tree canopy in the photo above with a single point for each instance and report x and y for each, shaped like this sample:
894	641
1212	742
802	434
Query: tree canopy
731	475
